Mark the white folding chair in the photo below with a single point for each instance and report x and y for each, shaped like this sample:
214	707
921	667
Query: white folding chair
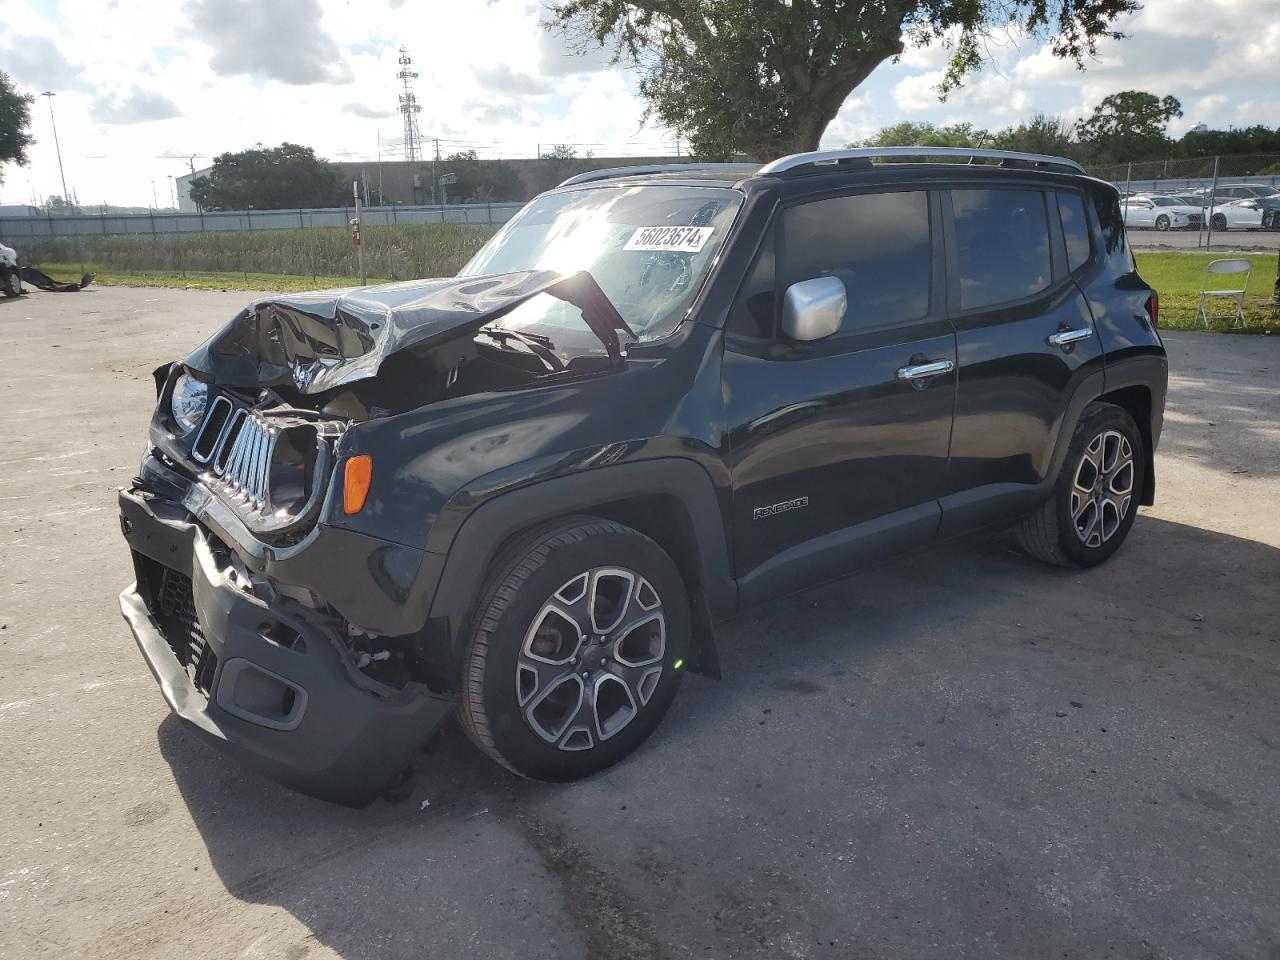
1208	293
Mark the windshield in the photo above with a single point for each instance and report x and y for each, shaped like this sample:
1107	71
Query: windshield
648	247
1168	202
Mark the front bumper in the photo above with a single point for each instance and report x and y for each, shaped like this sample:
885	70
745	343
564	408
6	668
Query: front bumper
270	682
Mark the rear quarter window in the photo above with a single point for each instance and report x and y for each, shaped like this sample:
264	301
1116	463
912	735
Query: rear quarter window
1115	247
1075	229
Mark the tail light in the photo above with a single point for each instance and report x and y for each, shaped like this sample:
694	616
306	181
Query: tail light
1153	308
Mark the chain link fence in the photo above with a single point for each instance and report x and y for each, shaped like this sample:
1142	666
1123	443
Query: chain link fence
1199	173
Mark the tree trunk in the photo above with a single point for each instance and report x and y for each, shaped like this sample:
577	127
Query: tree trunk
827	97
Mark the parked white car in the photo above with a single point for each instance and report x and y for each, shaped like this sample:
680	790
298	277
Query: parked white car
10	278
1159	213
1228	192
1238	215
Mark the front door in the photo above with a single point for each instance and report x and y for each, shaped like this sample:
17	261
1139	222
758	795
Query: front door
838	447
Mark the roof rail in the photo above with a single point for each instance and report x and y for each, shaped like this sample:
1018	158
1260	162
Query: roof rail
1010	157
610	173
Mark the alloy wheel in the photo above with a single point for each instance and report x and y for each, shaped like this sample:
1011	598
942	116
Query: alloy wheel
13	282
592	658
1102	488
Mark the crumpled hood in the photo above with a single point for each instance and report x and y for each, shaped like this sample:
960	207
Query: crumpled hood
323	339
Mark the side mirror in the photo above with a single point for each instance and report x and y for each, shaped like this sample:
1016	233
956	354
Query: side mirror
813	309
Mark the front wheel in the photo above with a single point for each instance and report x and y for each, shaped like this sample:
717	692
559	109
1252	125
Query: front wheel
1095	500
1162	222
12	283
579	640
1220	221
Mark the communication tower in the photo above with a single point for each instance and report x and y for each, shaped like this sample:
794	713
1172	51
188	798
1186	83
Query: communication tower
409	107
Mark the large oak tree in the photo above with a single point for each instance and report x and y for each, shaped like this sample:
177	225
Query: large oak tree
766	77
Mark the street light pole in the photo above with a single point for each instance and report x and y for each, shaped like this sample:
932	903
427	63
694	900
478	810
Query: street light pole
56	146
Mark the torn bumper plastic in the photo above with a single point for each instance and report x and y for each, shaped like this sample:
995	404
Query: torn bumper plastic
271	684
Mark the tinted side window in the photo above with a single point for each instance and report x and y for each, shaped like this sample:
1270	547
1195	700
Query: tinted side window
1075	228
1003	240
877	243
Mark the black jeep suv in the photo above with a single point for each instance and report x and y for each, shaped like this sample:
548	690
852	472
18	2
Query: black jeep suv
529	492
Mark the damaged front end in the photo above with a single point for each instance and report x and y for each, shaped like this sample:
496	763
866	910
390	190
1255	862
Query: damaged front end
275	628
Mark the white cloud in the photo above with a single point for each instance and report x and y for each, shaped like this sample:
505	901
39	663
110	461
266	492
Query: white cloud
281	40
136	106
36	62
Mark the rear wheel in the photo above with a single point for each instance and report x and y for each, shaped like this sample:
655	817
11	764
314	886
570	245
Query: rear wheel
580	635
12	283
1095	500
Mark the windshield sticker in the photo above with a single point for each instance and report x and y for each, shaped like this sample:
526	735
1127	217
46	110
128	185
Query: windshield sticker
676	239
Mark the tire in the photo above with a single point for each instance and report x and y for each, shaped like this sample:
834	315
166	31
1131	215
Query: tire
1219	222
524	698
1162	222
12	283
1091	510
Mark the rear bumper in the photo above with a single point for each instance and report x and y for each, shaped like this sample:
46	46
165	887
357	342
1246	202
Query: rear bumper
271	683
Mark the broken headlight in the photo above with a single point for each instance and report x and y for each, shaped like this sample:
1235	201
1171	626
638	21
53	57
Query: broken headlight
188	401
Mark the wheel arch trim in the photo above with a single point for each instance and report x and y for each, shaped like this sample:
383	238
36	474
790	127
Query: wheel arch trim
702	544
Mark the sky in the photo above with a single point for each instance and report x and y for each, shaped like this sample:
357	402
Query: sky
145	89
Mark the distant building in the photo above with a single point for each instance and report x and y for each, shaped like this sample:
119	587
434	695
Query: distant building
18	210
183	185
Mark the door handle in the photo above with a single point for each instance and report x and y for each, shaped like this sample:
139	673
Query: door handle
923	371
1064	338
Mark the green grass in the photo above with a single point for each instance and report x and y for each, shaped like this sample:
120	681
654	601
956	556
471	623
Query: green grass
286	260
200	280
1178	277
395	252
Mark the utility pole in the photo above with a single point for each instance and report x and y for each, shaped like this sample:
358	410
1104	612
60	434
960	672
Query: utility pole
1213	190
355	232
435	169
191	165
49	94
381	203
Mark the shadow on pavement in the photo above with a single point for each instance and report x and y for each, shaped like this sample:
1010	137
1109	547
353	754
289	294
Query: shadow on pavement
963	753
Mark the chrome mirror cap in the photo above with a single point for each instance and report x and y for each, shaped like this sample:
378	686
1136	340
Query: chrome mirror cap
813	309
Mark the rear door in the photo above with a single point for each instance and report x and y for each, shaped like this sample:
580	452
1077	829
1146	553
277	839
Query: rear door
1025	341
838	446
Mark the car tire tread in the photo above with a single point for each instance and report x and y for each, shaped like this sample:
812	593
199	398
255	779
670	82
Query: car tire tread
513	566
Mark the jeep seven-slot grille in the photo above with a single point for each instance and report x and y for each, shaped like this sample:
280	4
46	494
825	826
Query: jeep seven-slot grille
238	458
175	609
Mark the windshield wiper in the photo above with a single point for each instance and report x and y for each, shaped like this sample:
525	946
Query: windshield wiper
539	346
598	310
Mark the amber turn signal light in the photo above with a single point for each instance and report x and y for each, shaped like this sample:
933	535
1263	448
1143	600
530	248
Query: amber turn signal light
356	477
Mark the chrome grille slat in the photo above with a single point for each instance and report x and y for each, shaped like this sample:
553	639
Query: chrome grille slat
243	470
222	456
